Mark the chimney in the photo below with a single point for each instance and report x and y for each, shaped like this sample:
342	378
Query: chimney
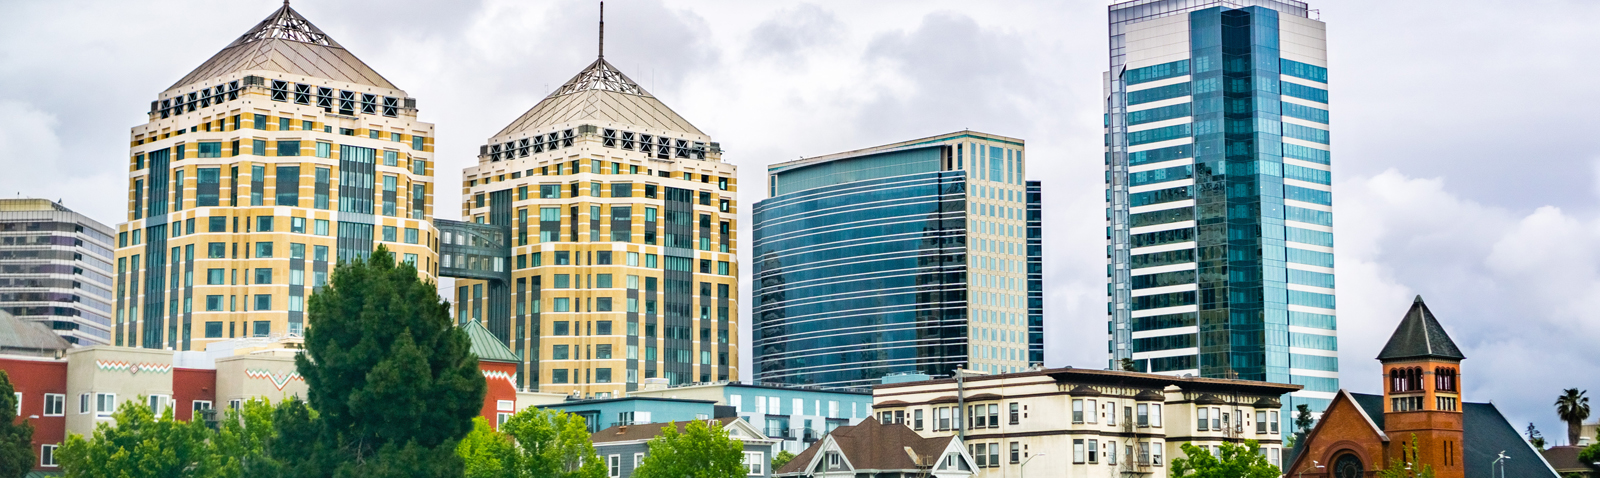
622	430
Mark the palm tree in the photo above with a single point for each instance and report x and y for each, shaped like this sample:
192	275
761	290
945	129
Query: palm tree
1573	408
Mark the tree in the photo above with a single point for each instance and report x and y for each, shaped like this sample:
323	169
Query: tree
1573	407
140	445
1590	454
553	444
1128	365
16	436
780	459
240	445
700	451
486	453
393	382
1407	466
1302	422
1232	461
1534	437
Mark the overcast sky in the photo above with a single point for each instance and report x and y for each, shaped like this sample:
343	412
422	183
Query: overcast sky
1466	164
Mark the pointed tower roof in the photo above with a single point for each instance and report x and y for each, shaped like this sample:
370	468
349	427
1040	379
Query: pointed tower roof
288	43
601	93
486	345
1420	336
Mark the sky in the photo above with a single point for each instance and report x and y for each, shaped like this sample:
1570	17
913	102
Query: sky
1466	168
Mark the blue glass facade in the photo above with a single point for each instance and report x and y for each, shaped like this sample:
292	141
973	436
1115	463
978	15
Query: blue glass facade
1219	222
920	258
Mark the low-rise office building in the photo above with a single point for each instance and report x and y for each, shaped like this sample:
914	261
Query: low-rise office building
1086	423
64	389
796	416
623	447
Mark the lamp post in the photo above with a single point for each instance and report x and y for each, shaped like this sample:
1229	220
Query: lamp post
1022	470
1499	460
1313	465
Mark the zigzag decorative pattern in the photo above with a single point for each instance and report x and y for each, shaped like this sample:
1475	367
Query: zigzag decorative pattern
130	367
510	378
277	380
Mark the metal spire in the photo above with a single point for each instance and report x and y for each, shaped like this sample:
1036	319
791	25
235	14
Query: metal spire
602	27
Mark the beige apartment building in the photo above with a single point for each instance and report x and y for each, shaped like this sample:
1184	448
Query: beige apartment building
256	173
1086	423
618	261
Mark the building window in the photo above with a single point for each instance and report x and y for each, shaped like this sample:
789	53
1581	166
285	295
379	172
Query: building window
55	404
614	466
1202	419
83	404
1077	451
916	419
47	456
755	463
1077	411
105	404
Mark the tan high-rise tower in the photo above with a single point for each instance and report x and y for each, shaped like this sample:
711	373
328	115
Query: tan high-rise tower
257	172
619	263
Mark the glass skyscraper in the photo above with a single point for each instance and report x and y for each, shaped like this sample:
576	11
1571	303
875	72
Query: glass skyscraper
55	268
1219	218
919	256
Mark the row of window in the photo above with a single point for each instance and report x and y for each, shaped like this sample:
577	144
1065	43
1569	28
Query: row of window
344	101
1089	451
297	225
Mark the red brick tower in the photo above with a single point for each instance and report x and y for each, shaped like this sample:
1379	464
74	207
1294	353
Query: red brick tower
1422	393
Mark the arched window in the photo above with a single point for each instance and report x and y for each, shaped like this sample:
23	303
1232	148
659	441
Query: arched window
1348	465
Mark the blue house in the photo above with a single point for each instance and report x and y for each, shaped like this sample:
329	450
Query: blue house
605	413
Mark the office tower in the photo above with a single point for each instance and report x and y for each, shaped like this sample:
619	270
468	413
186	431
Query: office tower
257	172
1219	223
910	257
616	259
55	268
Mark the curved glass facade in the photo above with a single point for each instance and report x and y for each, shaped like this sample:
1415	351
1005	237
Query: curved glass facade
858	280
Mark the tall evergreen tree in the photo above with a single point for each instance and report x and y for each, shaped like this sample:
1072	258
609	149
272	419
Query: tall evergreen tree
393	382
16	436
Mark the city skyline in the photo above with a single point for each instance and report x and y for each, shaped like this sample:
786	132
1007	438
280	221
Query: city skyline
1442	218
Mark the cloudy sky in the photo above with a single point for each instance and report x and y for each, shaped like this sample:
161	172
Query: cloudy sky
1466	168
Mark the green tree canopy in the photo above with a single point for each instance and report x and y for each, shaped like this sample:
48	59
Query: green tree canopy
551	444
240	445
141	445
16	438
393	382
487	453
700	451
1233	461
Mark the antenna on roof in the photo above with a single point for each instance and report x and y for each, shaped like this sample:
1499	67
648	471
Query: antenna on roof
602	28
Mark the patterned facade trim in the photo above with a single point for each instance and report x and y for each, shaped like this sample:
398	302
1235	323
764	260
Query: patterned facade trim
277	380
131	367
510	378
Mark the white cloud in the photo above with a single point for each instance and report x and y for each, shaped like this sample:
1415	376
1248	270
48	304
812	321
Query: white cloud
1514	289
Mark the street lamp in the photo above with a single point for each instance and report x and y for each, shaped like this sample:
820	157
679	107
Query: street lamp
1313	465
1500	460
1022	470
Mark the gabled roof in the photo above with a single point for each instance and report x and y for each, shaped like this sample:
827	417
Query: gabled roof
871	445
646	431
1420	336
287	42
28	338
486	345
601	93
1486	435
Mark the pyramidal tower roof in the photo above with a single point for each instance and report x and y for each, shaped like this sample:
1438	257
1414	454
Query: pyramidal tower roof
601	93
1420	336
287	42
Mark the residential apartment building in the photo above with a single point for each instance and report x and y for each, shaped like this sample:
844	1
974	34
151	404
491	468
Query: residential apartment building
624	447
256	173
55	268
1219	222
599	242
1086	423
911	257
794	416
